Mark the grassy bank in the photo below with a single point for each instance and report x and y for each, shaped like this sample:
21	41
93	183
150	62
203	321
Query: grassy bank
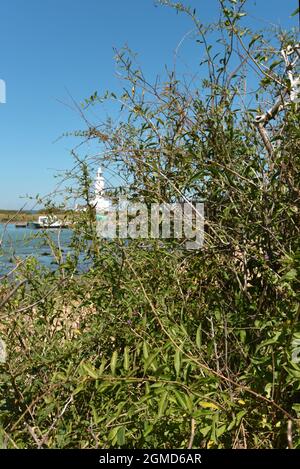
15	216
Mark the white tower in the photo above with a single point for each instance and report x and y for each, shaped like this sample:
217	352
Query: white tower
99	184
101	203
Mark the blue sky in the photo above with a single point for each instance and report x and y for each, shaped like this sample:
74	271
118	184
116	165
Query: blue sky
51	48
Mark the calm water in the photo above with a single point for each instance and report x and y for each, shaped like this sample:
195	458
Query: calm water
24	242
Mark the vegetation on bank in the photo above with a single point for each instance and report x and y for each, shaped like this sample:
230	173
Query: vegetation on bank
17	216
164	347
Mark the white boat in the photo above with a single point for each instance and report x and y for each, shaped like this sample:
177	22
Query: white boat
50	222
46	222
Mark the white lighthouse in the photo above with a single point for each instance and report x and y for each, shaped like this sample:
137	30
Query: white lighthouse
100	202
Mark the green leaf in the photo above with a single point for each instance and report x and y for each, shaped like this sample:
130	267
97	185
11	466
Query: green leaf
180	400
294	373
199	336
254	39
290	275
208	405
90	370
95	414
121	436
112	436
162	404
231	425
268	389
295	12
189	402
150	362
126	358
296	408
239	416
220	430
78	389
145	350
147	430
102	366
113	362
271	341
274	64
177	361
205	430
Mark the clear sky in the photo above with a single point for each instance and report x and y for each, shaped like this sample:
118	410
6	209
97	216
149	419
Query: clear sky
50	48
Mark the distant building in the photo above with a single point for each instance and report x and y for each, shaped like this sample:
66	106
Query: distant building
99	202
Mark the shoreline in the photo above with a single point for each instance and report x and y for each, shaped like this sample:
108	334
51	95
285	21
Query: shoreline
12	217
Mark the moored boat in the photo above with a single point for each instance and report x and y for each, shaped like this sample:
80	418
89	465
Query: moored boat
21	225
46	222
33	225
50	222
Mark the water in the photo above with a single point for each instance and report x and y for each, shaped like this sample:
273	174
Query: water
23	242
